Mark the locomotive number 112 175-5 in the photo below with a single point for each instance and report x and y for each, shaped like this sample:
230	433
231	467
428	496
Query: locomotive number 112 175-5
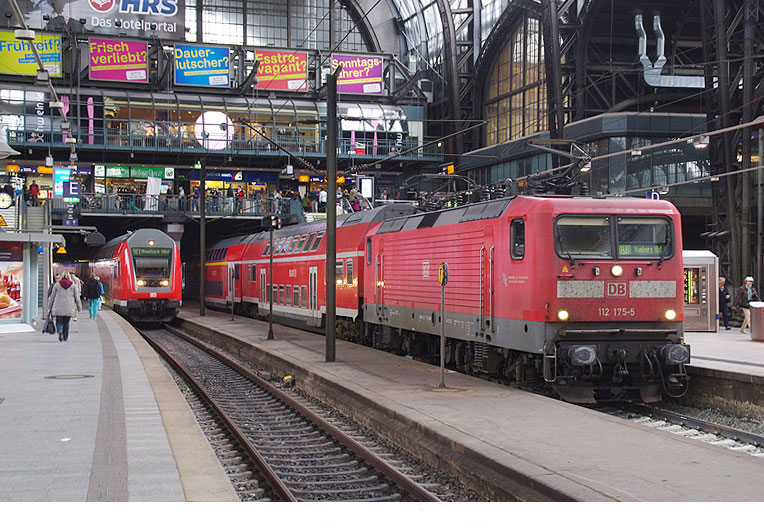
618	311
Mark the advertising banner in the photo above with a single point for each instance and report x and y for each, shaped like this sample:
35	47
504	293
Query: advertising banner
360	74
17	57
204	66
117	60
164	19
11	274
282	70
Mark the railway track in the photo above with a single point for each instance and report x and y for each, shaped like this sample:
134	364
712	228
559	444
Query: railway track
301	455
691	427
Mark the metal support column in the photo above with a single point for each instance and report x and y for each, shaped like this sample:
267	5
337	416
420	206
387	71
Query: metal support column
331	214
202	231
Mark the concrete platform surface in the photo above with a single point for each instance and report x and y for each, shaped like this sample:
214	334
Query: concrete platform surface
98	418
572	452
726	350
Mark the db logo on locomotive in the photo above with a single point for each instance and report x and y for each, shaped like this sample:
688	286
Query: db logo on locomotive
615	289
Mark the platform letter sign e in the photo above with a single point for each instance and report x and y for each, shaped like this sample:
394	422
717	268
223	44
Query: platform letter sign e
615	289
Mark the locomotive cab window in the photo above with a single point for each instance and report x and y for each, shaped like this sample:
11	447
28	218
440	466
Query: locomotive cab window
644	237
583	237
517	236
152	266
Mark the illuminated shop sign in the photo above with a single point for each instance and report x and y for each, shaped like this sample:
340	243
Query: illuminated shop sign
17	57
117	60
205	66
282	70
361	74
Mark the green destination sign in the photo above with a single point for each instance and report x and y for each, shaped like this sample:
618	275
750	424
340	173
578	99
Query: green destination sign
151	251
639	249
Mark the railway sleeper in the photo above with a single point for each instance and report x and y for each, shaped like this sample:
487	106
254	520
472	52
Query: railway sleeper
313	459
355	471
316	466
351	482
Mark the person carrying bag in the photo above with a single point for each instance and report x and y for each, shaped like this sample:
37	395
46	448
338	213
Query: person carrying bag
93	295
64	304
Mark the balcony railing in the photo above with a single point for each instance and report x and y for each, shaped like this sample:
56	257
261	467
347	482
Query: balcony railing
152	205
123	139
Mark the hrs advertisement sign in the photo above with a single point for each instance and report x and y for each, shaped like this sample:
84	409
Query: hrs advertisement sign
136	18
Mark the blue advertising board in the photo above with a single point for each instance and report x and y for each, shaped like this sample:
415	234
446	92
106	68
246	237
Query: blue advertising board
202	66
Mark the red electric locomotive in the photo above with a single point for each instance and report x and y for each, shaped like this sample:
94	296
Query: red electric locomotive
580	295
141	275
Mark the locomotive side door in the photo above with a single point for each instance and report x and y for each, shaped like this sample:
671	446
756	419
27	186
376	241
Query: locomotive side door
487	267
313	292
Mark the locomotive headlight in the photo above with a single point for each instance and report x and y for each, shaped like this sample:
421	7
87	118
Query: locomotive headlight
152	243
165	283
616	270
670	315
563	315
141	282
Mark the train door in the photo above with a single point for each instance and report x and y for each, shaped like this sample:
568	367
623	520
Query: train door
231	295
379	278
487	267
313	293
262	287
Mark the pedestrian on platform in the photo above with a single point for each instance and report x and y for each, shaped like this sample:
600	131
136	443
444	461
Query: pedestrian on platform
64	304
322	199
78	285
745	295
724	302
93	295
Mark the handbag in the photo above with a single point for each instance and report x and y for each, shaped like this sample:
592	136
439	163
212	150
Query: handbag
49	327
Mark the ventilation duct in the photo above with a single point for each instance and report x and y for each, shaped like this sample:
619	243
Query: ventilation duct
653	76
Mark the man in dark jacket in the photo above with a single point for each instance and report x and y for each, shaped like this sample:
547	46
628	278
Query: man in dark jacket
745	295
93	294
724	303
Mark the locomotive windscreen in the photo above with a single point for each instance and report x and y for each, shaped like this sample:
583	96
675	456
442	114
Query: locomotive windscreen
605	237
152	263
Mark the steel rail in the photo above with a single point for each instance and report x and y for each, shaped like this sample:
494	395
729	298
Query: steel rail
393	474
699	424
276	483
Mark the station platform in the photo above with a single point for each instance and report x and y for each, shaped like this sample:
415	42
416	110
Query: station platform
97	418
526	446
726	350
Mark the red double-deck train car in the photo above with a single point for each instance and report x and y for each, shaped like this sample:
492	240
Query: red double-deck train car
141	275
580	295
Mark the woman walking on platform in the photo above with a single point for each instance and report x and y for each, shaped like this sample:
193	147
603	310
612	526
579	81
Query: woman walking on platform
745	295
64	303
93	295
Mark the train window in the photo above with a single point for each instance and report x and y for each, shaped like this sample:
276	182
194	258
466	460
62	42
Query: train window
286	244
307	244
268	294
253	273
517	235
275	294
236	272
349	272
281	294
296	297
340	271
644	237
267	248
368	251
294	243
583	237
288	295
304	296
316	243
301	243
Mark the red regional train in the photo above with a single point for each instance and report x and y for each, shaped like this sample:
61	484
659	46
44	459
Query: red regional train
141	275
579	295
